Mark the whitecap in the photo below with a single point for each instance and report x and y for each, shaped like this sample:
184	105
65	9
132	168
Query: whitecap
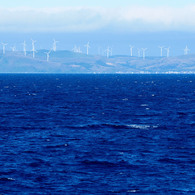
144	105
11	179
132	191
139	126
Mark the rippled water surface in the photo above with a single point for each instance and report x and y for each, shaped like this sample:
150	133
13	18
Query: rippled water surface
97	134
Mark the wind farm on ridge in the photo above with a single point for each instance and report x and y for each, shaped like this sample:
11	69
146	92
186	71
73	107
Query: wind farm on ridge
75	59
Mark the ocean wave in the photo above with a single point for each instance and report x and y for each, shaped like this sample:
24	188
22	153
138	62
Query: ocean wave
98	163
114	126
169	160
105	163
6	179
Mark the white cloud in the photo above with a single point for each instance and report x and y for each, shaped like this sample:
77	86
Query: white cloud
76	19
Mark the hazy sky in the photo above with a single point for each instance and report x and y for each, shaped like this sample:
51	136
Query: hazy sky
97	15
103	3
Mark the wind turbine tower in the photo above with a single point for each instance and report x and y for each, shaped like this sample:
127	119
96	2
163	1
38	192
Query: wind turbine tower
168	51
4	44
161	50
138	52
47	53
144	52
54	45
33	48
79	50
131	50
186	50
74	49
99	50
108	52
24	47
87	46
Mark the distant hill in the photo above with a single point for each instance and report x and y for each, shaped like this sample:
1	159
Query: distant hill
70	62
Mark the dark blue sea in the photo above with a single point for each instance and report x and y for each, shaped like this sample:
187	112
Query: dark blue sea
97	134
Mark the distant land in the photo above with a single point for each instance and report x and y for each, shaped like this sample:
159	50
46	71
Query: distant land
70	62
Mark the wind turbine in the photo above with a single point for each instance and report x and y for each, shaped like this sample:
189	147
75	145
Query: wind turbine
47	53
168	51
79	50
131	50
186	50
13	48
138	52
24	47
76	49
161	50
87	46
108	52
99	50
144	54
4	44
33	48
54	44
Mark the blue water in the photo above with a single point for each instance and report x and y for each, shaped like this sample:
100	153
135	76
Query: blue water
97	134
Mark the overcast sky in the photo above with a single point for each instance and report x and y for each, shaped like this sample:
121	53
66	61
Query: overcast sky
97	15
